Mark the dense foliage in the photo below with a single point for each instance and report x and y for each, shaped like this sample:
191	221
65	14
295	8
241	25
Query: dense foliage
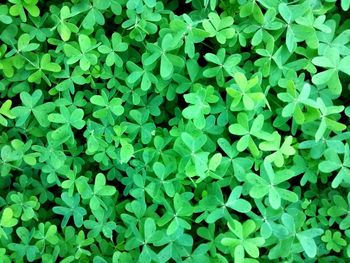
174	131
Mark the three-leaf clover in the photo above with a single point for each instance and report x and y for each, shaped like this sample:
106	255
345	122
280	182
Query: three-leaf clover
24	248
45	65
110	108
199	100
71	209
219	27
333	241
341	208
112	48
64	27
177	215
327	122
84	53
334	163
279	150
223	66
246	92
167	60
267	185
241	242
5	110
332	61
96	194
194	160
69	118
19	6
215	199
32	105
247	132
296	101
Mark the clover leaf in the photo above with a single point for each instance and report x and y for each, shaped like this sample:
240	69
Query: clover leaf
5	111
241	243
245	92
84	53
333	163
224	66
32	106
262	186
110	108
220	27
332	61
200	99
72	209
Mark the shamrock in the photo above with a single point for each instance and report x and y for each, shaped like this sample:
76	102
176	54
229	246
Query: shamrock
177	216
215	200
46	234
329	40
224	66
220	27
194	160
161	182
146	129
274	145
240	165
187	29
200	99
65	28
305	237
251	8
67	80
141	25
246	92
5	111
333	163
340	208
110	108
99	191
296	32
31	104
296	102
261	29
167	60
38	29
84	53
144	239
333	241
332	61
24	248
69	118
144	74
23	46
242	128
24	206
95	12
267	184
100	224
19	7
72	208
111	48
327	122
241	243
45	64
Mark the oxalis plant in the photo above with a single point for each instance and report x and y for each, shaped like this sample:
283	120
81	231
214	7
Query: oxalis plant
192	131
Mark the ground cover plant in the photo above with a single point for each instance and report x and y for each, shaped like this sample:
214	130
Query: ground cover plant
174	131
